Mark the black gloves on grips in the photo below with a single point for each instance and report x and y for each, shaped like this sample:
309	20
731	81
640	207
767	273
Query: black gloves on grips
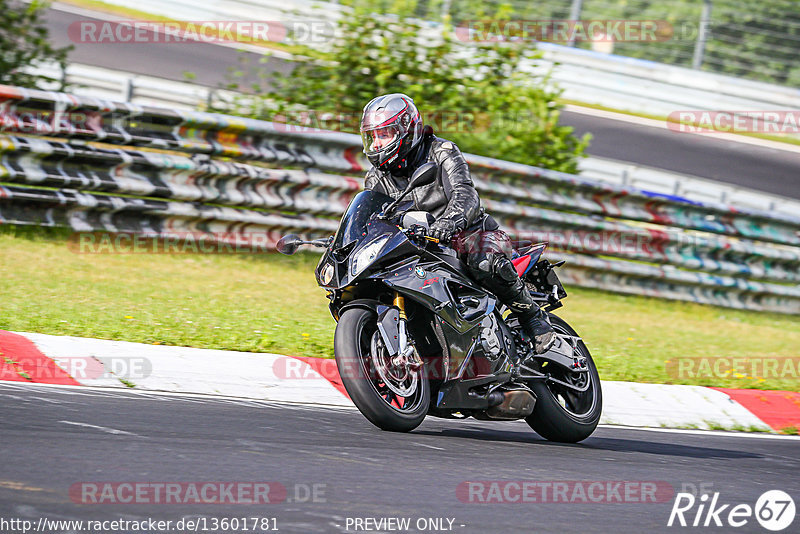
444	229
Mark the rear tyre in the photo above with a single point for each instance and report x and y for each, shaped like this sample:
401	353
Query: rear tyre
560	414
370	379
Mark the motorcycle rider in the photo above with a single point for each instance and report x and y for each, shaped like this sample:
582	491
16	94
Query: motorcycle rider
396	143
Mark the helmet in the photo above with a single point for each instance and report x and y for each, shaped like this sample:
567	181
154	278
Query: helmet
391	129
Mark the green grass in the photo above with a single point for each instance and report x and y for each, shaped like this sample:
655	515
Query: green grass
127	383
271	303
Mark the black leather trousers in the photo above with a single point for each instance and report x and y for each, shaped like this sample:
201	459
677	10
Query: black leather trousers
487	254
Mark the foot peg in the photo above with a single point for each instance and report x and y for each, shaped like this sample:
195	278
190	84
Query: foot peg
543	342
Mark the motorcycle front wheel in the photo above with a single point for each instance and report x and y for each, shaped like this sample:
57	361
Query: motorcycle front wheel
392	397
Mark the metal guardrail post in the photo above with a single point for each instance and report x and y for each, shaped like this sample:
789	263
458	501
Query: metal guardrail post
574	15
63	76
128	90
445	10
702	34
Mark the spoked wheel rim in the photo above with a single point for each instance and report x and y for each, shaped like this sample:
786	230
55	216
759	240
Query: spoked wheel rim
398	386
578	404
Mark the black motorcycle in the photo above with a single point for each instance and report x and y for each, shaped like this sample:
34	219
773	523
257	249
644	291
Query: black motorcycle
416	336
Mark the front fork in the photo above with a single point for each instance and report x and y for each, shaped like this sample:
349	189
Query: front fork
405	347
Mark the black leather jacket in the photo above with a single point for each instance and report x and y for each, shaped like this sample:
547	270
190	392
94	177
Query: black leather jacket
452	195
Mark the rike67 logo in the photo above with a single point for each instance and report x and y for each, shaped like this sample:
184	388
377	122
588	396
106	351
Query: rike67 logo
774	510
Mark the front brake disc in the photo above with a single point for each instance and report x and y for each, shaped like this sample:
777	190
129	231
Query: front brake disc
403	384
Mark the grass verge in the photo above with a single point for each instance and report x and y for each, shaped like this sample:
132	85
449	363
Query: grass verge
271	303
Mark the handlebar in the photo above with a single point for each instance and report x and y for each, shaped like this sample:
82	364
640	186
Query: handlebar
407	231
411	232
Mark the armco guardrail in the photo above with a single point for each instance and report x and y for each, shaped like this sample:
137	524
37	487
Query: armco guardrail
96	82
117	85
643	86
92	164
691	187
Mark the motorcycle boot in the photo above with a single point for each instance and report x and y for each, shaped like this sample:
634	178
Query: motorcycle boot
511	291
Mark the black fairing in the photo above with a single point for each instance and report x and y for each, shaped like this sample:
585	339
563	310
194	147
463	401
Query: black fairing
447	312
358	229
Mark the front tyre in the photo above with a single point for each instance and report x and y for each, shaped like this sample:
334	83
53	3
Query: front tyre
561	414
391	397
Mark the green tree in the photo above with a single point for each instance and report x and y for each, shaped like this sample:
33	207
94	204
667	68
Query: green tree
748	38
484	98
24	43
755	39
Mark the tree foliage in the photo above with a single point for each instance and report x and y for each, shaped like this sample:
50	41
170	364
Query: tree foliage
24	43
754	39
487	99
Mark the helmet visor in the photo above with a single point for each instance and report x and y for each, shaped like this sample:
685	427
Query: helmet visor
377	139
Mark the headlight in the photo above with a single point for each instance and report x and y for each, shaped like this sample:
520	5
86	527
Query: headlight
326	274
367	255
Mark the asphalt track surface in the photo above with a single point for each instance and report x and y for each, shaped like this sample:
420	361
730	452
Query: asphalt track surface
761	168
54	437
755	167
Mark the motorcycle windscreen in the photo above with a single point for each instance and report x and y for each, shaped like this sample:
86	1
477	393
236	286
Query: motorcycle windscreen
354	221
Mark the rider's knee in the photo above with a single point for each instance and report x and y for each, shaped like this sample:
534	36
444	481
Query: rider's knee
505	269
493	264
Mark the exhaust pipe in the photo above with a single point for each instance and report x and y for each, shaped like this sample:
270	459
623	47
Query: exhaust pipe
512	405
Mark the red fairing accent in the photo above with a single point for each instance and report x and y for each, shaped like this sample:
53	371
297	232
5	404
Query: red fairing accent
521	264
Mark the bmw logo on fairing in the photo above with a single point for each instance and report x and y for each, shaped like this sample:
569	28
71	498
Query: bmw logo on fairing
419	271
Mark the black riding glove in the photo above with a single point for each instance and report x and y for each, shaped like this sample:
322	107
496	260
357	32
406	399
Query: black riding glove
444	229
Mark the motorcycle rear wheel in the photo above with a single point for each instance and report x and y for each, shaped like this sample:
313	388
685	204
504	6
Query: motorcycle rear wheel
354	341
560	414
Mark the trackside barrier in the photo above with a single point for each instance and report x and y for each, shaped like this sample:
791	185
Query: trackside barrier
97	165
119	85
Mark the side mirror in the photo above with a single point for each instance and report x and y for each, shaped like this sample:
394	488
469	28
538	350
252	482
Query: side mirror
289	244
424	175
